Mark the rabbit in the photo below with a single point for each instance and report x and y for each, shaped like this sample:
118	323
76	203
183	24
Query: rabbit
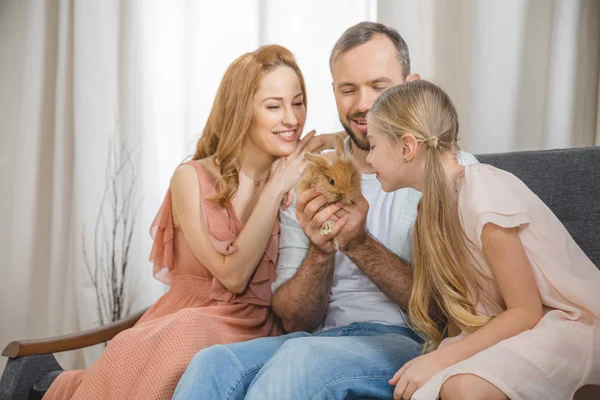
334	175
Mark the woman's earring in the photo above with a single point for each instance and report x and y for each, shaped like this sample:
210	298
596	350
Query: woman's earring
406	160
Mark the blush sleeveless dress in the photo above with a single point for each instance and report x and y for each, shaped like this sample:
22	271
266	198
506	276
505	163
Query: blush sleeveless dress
147	361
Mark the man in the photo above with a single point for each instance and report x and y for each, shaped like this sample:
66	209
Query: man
351	299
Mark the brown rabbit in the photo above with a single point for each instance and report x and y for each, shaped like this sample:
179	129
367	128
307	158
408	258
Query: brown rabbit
333	175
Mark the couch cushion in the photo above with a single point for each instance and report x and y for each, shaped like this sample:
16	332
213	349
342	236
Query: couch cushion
568	181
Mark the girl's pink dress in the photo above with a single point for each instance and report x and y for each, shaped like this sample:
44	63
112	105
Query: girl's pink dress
562	352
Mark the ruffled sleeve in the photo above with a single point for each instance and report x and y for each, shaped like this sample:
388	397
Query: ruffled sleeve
162	233
258	290
222	240
223	228
490	195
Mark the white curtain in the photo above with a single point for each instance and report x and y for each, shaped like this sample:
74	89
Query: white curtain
77	77
524	74
84	83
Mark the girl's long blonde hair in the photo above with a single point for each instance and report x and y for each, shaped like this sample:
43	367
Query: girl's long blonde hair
232	110
444	270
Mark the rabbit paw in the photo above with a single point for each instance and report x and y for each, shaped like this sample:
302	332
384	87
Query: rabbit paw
327	228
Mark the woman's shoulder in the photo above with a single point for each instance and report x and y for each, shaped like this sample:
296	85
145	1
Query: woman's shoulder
200	174
197	170
207	164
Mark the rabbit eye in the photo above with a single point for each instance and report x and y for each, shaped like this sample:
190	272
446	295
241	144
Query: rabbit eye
332	181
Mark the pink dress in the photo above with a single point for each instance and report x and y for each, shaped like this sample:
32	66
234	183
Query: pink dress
562	352
147	361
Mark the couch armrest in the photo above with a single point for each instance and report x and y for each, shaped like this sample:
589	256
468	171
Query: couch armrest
70	342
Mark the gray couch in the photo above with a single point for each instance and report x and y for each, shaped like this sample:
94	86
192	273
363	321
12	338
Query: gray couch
568	181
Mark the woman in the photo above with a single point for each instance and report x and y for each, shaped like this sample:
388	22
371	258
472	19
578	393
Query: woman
494	268
215	236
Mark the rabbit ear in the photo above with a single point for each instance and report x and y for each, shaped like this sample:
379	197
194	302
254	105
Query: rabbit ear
320	161
338	145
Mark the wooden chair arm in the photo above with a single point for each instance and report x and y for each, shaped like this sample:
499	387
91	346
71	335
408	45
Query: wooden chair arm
70	342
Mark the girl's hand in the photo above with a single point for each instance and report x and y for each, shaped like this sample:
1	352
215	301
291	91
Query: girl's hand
415	374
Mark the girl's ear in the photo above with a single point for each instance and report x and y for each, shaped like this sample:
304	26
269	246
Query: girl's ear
409	145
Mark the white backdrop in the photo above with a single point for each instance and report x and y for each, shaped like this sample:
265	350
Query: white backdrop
524	75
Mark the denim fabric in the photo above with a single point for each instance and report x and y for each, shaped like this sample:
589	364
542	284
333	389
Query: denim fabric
349	362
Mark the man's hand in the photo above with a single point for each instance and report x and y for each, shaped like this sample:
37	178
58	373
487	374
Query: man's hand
312	213
354	232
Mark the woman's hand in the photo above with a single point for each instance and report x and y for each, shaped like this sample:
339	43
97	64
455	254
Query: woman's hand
329	138
287	171
287	199
326	140
415	374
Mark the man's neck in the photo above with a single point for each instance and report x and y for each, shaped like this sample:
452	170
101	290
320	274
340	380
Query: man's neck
360	159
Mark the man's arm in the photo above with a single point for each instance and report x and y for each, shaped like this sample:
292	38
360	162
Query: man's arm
388	271
303	284
301	303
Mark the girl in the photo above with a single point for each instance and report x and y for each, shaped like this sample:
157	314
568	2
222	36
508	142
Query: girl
215	236
493	267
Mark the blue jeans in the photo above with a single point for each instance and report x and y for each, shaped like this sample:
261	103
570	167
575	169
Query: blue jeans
350	362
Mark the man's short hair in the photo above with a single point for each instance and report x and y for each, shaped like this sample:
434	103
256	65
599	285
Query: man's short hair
363	32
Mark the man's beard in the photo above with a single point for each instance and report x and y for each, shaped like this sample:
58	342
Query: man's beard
361	143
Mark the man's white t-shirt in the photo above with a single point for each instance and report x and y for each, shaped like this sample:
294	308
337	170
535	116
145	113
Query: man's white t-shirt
354	297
